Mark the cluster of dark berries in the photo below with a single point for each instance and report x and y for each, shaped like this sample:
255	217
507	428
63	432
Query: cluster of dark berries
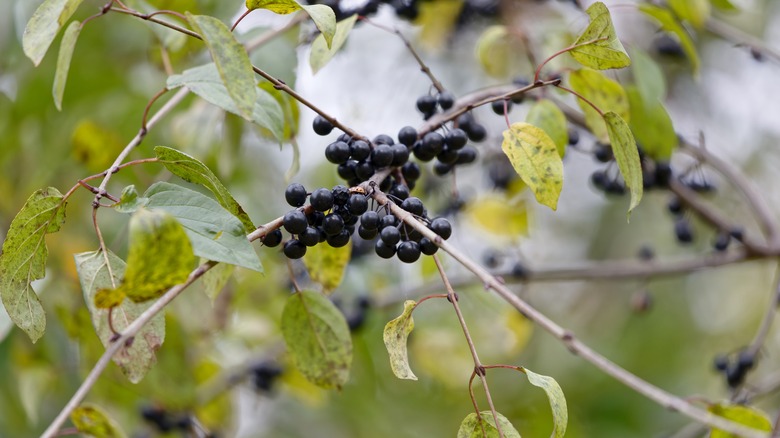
684	231
655	174
428	104
450	150
493	259
504	106
735	369
165	421
264	374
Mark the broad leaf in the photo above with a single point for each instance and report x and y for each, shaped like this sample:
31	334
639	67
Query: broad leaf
326	264
321	54
129	201
90	420
627	156
670	24
231	60
44	25
557	401
745	415
598	46
499	215
648	77
23	258
317	337
289	109
603	92
473	426
652	126
194	171
724	5
206	83
67	45
696	12
323	16
494	51
215	233
216	278
535	158
395	336
98	271
436	20
546	115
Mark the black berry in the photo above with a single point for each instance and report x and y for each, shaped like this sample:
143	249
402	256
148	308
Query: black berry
467	155
321	199
426	104
294	249
360	150
382	156
295	195
358	204
370	220
456	139
322	126
410	171
384	250
683	231
446	100
337	152
390	235
413	205
338	240
273	238
477	133
295	221
384	139
310	236
340	195
408	252
399	191
332	224
499	105
366	233
407	136
442	227
427	246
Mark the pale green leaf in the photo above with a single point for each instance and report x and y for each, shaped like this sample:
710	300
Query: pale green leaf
215	233
535	158
194	171
670	24
696	12
281	7
289	109
494	51
746	415
557	401
395	336
483	426
546	115
648	77
98	271
216	278
231	60
129	201
598	46
23	258
604	93
326	264
206	83
317	338
724	5
652	126
67	45
323	16
627	156
44	25
320	53
90	420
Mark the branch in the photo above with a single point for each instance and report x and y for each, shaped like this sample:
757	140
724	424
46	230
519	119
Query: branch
738	37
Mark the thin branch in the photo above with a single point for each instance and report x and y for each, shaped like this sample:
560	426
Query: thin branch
582	98
150	18
769	316
561	52
738	37
261	40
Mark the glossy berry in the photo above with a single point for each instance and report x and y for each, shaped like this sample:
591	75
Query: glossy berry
332	224
427	246
413	205
366	233
295	221
410	171
421	152
360	150
498	106
358	204
399	191
407	136
456	139
340	195
477	133
322	126
400	155
441	169
363	171
370	220
602	153
382	156
384	250
338	240
683	231
467	155
337	152
446	100
388	220
442	227
447	156
432	143
295	194
426	104
273	238
384	139
321	199
348	170
310	236
408	252
294	249
390	235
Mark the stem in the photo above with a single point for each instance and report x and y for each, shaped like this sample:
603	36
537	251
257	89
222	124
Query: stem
581	97
474	402
738	37
561	52
429	297
769	317
239	19
149	106
150	17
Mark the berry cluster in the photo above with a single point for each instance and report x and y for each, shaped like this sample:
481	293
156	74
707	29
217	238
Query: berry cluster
264	374
735	369
655	174
165	421
428	104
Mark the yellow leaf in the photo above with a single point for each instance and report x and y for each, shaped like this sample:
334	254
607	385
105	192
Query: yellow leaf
499	216
395	335
326	264
535	158
605	94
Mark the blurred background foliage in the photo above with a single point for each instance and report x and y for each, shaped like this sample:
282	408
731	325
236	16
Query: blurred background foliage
119	64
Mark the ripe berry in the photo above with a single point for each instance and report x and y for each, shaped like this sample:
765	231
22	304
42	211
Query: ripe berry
390	235
340	195
366	233
337	152
722	242
467	155
408	252
427	246
675	206
663	173
321	199
599	179
295	221
273	238
519	270
360	150
294	249
456	139
446	100
264	374
602	152
410	171
382	156
442	227
363	171
407	136
477	133
384	139
358	204
447	156
721	362
426	104
347	170
399	191
421	153
441	169
400	155
339	240
384	250
322	126
388	220
295	195
332	224
683	231
574	137
498	106
432	143
413	205
310	236
370	220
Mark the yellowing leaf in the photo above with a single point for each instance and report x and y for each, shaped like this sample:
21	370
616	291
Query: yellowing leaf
546	115
95	145
317	338
535	158
473	426
652	126
557	401
216	278
603	92
323	16
395	335
437	19
282	7
670	24
724	5
67	45
494	51
108	298
627	156
696	12
92	421
498	215
599	47
326	264
23	258
321	53
746	415
44	25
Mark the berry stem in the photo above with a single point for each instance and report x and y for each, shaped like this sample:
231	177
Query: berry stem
232	28
561	52
581	97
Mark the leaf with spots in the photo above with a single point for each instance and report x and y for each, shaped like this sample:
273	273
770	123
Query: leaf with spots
323	16
546	115
44	25
484	426
604	93
557	400
627	156
90	420
598	46
535	158
395	336
326	264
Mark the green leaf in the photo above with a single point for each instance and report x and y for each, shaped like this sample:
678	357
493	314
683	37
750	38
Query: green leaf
317	338
321	54
326	264
216	278
44	25
535	158
215	233
696	12
652	126
395	336
472	426
191	170
129	202
627	156
546	115
204	81
98	271
289	109
746	415
648	77
557	400
598	46
494	51
323	16
603	92
231	60
92	421
160	255
670	24
724	5
67	45
23	258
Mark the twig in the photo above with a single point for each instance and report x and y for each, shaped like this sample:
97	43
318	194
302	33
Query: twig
738	37
150	18
769	316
